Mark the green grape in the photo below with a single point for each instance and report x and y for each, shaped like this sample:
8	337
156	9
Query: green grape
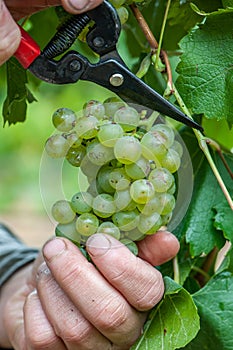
153	147
73	139
149	224
62	212
94	108
87	224
166	218
68	231
176	146
161	179
57	146
118	179
123	14
127	117
81	202
64	119
117	3
76	155
152	206
171	161
89	169
134	235
172	189
142	191
87	127
166	132
111	105
98	154
107	227
167	202
132	246
123	200
103	179
103	205
108	134
139	169
126	220
127	149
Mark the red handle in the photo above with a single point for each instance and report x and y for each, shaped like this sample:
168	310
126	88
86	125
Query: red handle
28	49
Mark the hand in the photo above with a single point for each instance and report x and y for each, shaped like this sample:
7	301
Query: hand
9	32
79	306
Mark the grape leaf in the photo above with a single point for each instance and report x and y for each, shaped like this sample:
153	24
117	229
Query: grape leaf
223	220
197	225
173	323
205	72
215	307
18	94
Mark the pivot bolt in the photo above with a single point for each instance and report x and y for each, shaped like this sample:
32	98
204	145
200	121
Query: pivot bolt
116	79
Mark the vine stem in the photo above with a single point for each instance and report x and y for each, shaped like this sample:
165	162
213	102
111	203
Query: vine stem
203	145
176	270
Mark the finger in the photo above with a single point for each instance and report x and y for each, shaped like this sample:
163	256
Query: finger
158	248
139	282
68	322
9	34
77	6
96	299
38	330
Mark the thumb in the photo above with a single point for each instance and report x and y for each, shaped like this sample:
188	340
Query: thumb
9	34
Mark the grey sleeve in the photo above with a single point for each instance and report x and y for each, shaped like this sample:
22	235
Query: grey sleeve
13	254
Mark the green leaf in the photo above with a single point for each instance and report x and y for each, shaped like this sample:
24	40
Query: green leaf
173	323
205	72
215	307
223	220
198	225
15	105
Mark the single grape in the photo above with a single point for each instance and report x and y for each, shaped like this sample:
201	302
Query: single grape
149	224
127	149
81	202
73	139
103	177
142	191
87	127
127	117
98	154
94	108
57	146
171	161
152	206
161	179
167	202
87	224
134	235
126	220
62	212
118	179
153	147
68	231
176	146
132	246
64	119
123	200
123	14
139	169
111	105
166	132
107	227
76	155
103	205
108	134
89	169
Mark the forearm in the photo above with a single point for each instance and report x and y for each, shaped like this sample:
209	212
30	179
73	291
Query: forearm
6	293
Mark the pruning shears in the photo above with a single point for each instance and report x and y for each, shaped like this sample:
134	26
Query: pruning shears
110	72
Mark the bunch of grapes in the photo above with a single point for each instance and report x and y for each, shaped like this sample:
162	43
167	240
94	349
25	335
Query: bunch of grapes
129	162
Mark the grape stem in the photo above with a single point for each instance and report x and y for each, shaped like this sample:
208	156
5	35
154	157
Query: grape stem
176	270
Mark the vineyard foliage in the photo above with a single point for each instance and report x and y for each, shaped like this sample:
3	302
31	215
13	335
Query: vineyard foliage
196	311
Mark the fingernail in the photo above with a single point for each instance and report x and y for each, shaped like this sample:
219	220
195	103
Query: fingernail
79	4
52	248
98	244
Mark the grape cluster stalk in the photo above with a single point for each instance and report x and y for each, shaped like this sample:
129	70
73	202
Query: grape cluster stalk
129	159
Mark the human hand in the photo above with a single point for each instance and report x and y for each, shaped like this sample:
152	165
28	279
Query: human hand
12	10
79	306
